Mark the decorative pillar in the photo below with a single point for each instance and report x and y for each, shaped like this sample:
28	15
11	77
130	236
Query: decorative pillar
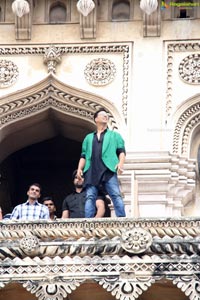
88	19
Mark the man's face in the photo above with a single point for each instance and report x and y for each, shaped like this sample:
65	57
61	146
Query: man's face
50	205
33	192
102	117
78	183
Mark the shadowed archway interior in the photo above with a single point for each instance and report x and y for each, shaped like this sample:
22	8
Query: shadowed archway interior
43	148
50	163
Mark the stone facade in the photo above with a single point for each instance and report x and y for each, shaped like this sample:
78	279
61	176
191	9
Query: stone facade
58	65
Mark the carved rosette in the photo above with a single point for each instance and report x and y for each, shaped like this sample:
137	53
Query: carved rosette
189	69
52	57
8	73
29	245
100	71
137	240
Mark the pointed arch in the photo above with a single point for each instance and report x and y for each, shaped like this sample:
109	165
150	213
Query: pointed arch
187	123
50	98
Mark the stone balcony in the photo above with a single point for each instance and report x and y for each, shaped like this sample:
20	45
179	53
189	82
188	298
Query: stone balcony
113	258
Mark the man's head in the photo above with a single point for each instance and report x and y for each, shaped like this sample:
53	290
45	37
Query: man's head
48	201
34	191
101	116
78	183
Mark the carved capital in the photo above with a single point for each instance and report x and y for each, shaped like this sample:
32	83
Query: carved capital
52	57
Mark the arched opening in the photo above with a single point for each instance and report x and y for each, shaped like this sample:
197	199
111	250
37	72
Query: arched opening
44	148
121	10
58	13
41	136
163	289
49	163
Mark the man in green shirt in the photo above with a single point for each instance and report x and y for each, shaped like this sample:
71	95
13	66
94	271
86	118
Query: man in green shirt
102	158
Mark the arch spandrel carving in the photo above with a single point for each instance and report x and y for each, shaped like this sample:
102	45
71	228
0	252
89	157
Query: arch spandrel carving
187	118
50	100
52	89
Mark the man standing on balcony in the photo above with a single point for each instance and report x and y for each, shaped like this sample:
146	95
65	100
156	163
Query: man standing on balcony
102	158
31	209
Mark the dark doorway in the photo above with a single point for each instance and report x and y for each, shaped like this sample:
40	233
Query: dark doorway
49	163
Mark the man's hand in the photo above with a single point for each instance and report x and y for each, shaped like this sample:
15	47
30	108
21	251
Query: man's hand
79	174
119	169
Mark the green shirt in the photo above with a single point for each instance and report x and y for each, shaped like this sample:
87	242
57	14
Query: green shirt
112	143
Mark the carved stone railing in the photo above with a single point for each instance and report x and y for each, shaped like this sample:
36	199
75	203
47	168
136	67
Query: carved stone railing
125	256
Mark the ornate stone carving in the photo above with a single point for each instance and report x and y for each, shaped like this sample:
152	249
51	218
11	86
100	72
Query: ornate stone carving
126	288
123	275
52	57
20	7
136	240
190	285
171	49
151	24
189	69
8	73
107	238
85	7
148	6
190	117
63	101
88	25
123	49
52	290
100	71
29	245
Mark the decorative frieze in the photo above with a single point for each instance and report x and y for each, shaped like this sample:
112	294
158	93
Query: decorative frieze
173	255
52	56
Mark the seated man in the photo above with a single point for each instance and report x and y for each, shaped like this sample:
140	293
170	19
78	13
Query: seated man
48	201
31	209
74	204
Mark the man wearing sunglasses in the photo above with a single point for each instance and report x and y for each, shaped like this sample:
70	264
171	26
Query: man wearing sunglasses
102	159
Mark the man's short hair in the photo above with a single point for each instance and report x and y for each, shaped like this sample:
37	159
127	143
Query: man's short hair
36	184
47	198
98	111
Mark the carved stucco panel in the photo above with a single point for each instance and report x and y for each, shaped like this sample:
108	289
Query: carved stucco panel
172	49
126	287
190	285
54	289
52	56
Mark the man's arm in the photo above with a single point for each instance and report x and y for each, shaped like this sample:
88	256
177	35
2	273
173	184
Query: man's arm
65	214
120	165
100	208
81	166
